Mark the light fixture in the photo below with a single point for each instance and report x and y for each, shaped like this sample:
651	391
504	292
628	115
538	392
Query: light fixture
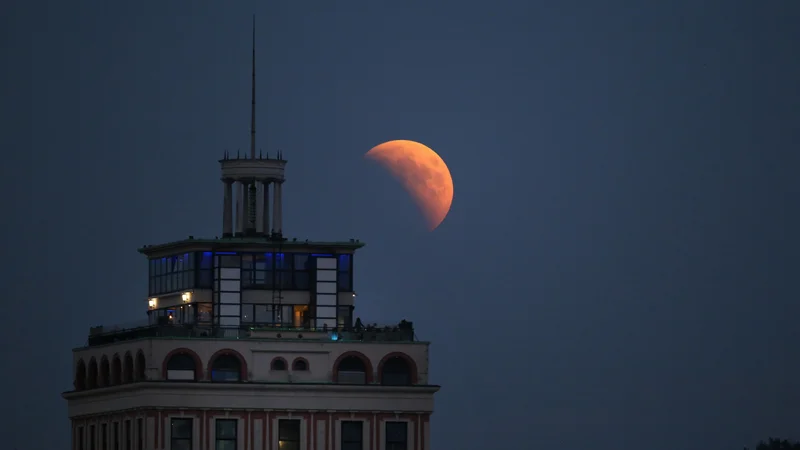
151	303
187	297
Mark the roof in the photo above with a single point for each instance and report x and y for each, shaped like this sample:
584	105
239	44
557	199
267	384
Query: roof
248	243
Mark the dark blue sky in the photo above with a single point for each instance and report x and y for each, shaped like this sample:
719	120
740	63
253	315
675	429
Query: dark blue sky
619	266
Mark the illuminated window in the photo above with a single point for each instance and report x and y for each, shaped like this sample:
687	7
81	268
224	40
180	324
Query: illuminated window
352	435
289	434
180	434
226	434
396	436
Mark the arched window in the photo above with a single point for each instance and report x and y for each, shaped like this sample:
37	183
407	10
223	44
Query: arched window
116	371
80	376
300	364
396	372
91	379
139	370
105	372
127	368
352	370
181	367
278	364
226	367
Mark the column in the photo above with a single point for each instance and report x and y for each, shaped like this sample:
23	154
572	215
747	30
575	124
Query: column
227	209
265	207
239	221
277	216
245	206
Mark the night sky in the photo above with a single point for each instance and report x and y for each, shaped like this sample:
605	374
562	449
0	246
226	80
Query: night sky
616	270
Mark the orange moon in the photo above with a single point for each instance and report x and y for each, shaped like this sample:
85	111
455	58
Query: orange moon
423	174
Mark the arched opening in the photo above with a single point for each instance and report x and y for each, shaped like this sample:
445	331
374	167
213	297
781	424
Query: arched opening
91	379
226	367
396	371
139	369
105	372
300	364
80	376
278	364
116	371
352	370
181	367
127	368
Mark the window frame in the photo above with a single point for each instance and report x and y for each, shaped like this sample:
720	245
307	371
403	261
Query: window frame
235	438
345	444
172	437
128	432
298	442
395	445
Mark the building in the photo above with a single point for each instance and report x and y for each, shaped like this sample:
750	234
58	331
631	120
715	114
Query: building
251	343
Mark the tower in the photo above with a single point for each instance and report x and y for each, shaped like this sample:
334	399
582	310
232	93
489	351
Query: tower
250	343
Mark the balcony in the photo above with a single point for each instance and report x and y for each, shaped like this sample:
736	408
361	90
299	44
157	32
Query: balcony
402	332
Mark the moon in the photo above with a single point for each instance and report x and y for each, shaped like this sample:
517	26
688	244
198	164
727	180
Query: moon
423	174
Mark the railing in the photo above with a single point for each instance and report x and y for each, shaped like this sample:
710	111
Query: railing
402	332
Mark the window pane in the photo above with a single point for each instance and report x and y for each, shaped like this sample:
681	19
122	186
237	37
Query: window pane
396	432
288	445
289	430
181	444
301	261
344	282
302	281
352	446
282	262
226	445
226	428
351	431
181	428
344	263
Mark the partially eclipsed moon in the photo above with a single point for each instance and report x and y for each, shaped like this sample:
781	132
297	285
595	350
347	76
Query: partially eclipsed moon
423	174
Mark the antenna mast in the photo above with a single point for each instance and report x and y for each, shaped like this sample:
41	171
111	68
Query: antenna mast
253	98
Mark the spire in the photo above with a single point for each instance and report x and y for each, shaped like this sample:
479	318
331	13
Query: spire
253	98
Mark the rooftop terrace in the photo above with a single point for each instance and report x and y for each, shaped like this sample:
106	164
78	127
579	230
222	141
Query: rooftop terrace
401	332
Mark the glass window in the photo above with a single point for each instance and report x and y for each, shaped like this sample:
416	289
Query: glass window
229	261
181	434
352	435
80	438
226	368
92	437
128	437
116	436
283	261
344	282
263	314
278	364
344	263
289	434
226	433
140	434
396	436
302	281
301	261
104	436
